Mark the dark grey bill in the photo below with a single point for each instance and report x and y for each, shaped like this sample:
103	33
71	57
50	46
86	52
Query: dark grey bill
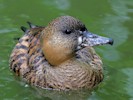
89	39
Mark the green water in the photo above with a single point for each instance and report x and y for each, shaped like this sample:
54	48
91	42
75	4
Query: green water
111	18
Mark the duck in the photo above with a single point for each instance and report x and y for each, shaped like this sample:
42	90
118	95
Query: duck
59	56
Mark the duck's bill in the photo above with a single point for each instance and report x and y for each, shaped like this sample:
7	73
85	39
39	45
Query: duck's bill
90	39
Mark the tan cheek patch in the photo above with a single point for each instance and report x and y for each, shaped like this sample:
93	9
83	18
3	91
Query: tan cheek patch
56	55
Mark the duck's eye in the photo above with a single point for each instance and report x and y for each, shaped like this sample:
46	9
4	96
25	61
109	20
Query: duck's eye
83	29
68	31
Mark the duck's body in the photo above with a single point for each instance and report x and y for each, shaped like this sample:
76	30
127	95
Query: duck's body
43	67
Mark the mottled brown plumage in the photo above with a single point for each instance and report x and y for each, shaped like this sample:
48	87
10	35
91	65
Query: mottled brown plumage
59	56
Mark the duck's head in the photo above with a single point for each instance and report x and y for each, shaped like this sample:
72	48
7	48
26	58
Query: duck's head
64	36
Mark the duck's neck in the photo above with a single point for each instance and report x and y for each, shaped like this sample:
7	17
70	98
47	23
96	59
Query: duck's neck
57	55
56	58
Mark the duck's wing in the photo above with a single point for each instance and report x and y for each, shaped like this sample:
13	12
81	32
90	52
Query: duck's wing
27	46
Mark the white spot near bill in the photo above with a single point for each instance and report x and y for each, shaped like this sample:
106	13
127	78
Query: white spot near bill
80	40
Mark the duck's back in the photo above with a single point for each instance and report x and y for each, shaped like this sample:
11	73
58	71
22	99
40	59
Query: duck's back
27	56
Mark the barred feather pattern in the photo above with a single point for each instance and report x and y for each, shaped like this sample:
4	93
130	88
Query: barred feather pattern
27	57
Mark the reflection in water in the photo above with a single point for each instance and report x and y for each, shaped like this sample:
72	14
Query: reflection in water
114	25
63	95
59	4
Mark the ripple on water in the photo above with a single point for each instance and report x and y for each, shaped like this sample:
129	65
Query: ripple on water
3	31
59	4
114	25
129	81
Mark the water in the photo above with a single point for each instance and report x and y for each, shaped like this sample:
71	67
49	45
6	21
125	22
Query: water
111	18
